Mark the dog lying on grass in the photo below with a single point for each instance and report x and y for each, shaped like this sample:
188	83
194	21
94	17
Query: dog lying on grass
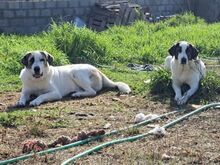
186	68
51	83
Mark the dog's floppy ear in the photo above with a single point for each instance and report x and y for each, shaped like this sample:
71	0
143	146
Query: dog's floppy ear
24	60
193	51
173	50
48	56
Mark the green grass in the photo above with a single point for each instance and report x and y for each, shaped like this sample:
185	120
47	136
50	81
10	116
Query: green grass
140	43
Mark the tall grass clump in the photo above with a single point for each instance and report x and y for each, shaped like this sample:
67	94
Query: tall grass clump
81	45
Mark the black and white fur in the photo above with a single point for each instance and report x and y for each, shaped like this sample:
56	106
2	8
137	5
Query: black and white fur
186	68
51	83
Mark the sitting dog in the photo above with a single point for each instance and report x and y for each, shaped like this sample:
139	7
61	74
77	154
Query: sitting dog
186	68
51	83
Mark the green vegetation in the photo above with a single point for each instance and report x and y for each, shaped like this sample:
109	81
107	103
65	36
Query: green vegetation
140	43
161	86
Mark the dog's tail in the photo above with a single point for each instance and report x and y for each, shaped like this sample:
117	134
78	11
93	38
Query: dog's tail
167	63
122	87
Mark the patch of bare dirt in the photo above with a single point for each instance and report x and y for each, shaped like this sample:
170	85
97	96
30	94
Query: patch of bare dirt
193	141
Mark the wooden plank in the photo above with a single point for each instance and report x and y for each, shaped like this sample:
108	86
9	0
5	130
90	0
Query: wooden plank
126	15
132	16
107	14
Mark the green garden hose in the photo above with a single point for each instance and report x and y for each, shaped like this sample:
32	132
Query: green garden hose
137	137
52	150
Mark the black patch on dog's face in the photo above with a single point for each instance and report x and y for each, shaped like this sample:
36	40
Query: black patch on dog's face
191	52
48	57
27	60
175	50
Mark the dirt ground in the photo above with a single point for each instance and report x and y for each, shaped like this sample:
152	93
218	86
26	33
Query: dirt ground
193	141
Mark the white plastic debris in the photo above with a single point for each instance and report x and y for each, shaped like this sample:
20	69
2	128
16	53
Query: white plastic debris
139	118
147	81
151	116
158	131
78	22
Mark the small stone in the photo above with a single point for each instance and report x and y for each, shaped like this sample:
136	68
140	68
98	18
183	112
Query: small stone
116	99
166	157
2	104
106	126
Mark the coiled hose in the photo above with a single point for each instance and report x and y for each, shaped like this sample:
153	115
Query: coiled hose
137	137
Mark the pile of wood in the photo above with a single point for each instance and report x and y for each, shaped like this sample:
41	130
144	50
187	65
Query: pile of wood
107	14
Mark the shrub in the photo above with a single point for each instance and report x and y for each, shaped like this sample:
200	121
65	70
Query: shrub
184	19
161	83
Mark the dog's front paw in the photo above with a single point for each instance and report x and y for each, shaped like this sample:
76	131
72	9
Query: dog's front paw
35	102
177	98
182	100
20	103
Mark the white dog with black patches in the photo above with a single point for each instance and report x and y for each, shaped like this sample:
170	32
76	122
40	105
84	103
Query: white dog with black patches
51	83
186	68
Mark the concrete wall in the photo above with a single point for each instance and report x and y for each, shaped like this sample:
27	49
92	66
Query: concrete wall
207	9
27	17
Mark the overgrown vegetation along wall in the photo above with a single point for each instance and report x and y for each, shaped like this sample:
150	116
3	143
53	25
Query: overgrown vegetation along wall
30	16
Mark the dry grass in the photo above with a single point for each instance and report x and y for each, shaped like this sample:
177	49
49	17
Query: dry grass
194	141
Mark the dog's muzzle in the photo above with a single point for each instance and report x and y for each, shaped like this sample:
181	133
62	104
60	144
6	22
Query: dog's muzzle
183	60
37	73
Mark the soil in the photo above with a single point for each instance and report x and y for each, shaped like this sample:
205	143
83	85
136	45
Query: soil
193	141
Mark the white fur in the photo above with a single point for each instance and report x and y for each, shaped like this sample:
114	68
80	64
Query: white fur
190	73
56	82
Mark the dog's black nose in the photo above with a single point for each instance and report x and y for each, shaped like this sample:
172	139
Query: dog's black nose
37	69
183	60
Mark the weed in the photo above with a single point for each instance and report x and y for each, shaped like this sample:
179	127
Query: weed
132	132
8	120
59	124
36	130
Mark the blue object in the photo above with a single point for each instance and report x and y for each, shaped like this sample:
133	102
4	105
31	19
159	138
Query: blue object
78	22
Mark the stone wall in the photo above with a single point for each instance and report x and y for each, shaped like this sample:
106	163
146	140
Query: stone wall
27	17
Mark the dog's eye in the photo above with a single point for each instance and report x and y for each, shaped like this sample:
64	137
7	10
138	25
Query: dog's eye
42	60
31	60
179	49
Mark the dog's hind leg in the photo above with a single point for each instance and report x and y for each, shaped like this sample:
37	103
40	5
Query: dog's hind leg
84	93
89	85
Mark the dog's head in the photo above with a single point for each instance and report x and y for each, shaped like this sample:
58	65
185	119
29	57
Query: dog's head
37	62
183	52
